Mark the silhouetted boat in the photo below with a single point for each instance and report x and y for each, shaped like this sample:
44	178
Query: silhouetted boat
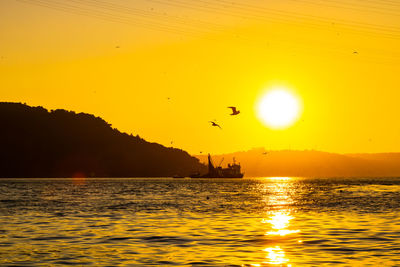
232	171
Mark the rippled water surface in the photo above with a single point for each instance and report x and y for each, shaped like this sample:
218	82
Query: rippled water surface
200	222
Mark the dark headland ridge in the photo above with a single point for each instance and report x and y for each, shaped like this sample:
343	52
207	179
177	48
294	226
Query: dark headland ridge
36	142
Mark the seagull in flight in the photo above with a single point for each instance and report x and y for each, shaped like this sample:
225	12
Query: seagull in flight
234	111
215	124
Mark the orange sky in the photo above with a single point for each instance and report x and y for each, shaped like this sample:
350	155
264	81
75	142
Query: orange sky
207	55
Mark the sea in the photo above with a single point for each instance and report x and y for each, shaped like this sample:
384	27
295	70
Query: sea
269	221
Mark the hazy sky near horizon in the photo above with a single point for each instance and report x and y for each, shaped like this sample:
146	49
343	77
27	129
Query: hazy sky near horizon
164	68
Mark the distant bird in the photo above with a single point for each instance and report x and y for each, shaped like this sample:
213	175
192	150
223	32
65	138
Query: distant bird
265	153
215	124
117	46
234	111
355	52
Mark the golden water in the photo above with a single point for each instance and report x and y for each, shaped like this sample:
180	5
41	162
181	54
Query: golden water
200	222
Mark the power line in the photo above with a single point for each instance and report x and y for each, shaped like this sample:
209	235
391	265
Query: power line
106	11
283	16
302	16
144	13
358	7
109	17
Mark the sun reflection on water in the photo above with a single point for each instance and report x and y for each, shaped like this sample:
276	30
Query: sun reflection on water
279	222
280	178
275	255
278	196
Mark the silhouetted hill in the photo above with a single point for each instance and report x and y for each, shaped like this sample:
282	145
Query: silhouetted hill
60	143
310	163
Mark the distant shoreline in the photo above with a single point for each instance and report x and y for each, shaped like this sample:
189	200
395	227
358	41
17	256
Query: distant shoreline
313	164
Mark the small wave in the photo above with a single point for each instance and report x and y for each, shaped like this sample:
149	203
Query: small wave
119	238
8	200
70	263
167	239
201	263
52	238
167	263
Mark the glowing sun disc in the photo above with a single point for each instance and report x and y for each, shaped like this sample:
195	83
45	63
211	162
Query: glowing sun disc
279	108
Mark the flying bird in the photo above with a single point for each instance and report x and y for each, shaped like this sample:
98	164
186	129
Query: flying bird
234	111
215	124
355	52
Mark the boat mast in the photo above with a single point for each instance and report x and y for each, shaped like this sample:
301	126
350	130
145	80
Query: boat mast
210	164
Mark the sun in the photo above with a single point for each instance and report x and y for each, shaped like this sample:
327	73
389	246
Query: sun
279	108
